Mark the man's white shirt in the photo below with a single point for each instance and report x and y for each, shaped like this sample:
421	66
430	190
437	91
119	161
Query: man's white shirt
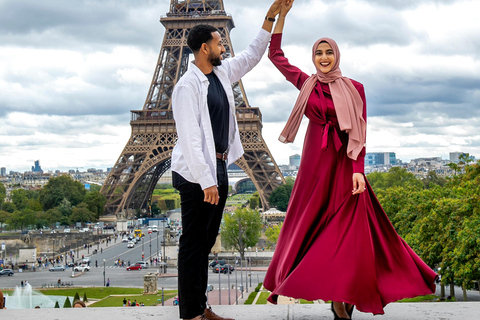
194	155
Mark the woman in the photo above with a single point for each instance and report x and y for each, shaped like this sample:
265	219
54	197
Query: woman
336	243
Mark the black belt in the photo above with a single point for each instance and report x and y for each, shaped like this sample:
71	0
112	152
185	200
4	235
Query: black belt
222	156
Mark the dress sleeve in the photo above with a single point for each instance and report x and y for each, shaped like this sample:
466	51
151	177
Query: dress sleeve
359	164
276	55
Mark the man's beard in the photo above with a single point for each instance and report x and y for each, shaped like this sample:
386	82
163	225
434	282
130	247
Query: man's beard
215	61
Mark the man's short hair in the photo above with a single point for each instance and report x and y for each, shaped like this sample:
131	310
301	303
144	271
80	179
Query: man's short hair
199	35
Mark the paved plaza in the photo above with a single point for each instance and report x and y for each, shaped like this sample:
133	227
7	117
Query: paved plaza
394	311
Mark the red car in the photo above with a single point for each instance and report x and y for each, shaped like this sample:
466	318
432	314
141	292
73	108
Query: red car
135	267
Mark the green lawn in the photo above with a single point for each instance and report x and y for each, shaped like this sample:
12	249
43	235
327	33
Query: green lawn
112	296
251	297
148	300
92	293
262	299
303	301
426	298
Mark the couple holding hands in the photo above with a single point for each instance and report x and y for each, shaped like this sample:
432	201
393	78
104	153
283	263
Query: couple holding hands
336	243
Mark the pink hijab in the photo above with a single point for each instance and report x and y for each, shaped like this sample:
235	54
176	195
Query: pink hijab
346	99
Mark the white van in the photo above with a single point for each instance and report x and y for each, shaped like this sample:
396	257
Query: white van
155	228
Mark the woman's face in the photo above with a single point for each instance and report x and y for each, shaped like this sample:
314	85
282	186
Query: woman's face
324	58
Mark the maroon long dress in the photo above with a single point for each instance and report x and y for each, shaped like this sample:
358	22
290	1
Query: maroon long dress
334	245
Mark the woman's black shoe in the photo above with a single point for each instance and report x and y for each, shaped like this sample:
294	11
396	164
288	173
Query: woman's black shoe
351	311
335	314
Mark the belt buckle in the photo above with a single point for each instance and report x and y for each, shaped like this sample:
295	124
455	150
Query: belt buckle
224	156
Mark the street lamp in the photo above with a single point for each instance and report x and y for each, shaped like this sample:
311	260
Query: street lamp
150	244
104	272
142	249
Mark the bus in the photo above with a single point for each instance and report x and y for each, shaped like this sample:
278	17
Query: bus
138	233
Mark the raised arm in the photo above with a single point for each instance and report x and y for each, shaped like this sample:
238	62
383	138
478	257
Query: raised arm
271	15
285	8
276	55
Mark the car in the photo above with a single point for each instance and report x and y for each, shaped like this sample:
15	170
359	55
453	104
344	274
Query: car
86	260
134	267
143	264
6	272
57	268
84	230
215	262
82	268
66	230
226	268
130	244
155	229
149	230
125	239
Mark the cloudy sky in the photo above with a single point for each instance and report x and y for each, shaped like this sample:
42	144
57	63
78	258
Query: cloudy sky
70	72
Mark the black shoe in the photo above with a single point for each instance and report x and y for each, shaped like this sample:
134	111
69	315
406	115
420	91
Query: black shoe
335	314
351	311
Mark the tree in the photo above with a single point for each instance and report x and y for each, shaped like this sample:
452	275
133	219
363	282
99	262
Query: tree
67	303
272	234
9	207
52	216
59	188
280	197
81	214
25	199
4	217
395	177
254	201
3	194
241	230
433	179
22	219
95	202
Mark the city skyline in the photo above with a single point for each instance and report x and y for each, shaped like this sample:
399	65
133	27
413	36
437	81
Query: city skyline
70	75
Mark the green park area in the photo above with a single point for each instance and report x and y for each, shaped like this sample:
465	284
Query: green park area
108	296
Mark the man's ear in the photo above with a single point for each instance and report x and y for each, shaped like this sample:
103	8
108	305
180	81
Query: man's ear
204	48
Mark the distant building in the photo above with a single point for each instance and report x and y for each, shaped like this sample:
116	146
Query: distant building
36	167
380	158
3	171
295	160
455	156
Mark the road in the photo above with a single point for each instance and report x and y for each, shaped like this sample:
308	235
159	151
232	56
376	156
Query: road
119	276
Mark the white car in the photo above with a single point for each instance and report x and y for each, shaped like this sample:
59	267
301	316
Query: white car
130	244
154	229
142	263
67	230
82	268
125	239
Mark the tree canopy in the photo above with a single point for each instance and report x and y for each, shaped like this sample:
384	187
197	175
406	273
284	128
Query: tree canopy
241	230
280	197
60	188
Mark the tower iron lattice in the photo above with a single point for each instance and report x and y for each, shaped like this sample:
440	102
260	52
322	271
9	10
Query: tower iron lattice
147	154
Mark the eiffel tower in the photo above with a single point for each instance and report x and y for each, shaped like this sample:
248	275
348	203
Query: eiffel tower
147	154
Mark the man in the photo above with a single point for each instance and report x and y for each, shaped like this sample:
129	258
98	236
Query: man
204	111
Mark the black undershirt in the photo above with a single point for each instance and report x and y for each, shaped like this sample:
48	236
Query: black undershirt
219	112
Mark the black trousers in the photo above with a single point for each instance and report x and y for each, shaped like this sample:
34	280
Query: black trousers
200	224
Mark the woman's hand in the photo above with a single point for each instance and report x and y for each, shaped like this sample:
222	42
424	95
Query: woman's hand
275	8
286	6
358	183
